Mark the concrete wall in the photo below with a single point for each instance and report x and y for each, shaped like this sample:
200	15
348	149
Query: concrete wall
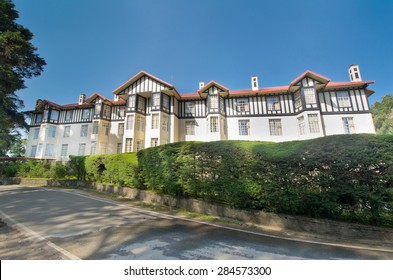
273	221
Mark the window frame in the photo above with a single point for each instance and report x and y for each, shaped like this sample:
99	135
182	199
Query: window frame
244	127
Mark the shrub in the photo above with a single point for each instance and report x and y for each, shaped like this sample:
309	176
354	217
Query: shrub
339	177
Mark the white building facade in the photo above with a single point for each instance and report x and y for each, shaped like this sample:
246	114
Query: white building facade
148	112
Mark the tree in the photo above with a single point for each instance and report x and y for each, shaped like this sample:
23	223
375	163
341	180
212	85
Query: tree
18	61
383	115
18	148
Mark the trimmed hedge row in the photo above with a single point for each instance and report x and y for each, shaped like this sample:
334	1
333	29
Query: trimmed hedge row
346	177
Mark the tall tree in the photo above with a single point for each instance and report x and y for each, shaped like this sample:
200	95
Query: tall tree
383	115
18	61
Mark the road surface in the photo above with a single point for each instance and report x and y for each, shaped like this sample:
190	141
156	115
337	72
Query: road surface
78	225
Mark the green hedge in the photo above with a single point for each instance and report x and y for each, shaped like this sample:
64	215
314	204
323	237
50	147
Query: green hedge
116	169
346	177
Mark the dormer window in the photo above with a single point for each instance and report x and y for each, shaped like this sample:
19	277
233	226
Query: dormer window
309	95
343	99
273	103
190	107
131	101
85	114
54	115
243	105
38	118
213	102
97	109
155	101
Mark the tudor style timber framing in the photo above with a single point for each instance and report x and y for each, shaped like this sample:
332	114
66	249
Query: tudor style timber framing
147	111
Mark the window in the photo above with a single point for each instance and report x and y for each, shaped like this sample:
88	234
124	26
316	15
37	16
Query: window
49	150
39	150
140	123
301	125
68	115
141	104
155	100
275	127
349	125
54	115
131	101
343	99
128	145
313	122
33	151
46	114
213	124
139	145
107	111
36	133
119	148
213	102
273	103
67	130
309	95
190	107
52	131
165	123
95	128
130	122
165	102
244	127
243	105
356	74
154	142
85	114
120	129
93	148
222	105
190	127
64	150
298	100
38	118
106	128
97	110
155	121
81	150
84	130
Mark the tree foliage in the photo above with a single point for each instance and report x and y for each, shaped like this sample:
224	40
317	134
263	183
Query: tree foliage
18	61
383	115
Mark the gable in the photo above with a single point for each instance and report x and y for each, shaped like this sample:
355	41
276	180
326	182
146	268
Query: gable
142	82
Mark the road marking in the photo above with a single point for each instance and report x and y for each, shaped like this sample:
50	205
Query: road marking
172	217
37	236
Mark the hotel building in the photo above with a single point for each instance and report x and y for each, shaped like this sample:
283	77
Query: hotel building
147	111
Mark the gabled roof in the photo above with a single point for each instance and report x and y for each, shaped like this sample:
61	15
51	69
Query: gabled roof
86	104
137	77
213	83
311	74
106	100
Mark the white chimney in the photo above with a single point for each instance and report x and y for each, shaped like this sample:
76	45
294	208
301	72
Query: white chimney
201	85
254	83
82	99
354	73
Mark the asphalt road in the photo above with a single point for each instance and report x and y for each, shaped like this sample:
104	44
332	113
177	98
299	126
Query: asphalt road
77	225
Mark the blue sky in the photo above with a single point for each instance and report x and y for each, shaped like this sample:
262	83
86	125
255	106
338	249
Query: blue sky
96	45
